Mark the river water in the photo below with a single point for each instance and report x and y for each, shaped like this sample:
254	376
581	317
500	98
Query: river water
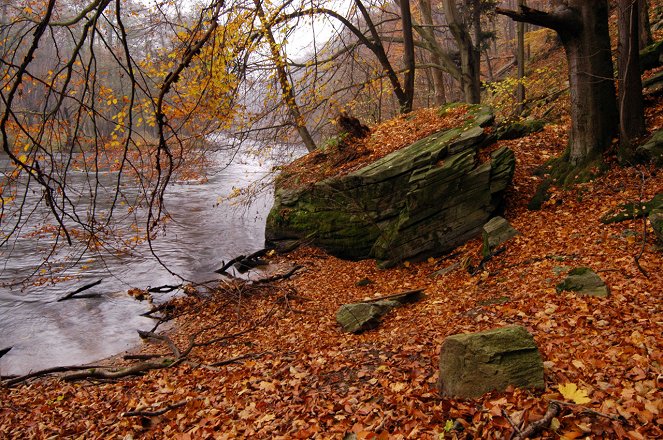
204	229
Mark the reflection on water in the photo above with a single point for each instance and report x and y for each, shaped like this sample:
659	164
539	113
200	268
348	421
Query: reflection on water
200	234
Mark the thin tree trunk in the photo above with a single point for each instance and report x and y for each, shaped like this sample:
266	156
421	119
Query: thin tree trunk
470	81
282	76
631	105
520	88
408	56
645	36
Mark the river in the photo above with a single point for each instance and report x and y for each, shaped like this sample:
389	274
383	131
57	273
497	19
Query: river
201	232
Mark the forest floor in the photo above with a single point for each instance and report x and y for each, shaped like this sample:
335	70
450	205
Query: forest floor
269	361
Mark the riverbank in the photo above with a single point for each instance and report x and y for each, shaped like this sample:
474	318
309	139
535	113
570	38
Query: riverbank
272	362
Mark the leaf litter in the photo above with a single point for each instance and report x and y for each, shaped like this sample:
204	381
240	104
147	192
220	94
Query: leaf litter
291	372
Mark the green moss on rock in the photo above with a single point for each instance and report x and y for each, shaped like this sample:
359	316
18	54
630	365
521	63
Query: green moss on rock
419	201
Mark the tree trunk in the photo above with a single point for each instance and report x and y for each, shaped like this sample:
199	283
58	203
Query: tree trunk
437	73
582	25
378	50
520	88
282	75
470	80
408	56
645	36
630	101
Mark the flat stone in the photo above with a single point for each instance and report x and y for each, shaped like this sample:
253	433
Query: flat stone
476	363
359	317
365	315
496	232
584	281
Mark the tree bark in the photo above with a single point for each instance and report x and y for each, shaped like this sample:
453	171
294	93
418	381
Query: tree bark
582	26
470	80
408	56
630	100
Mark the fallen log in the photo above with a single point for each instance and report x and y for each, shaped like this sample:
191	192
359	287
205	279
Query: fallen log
79	290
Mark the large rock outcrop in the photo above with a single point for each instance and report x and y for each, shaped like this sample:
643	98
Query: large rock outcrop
419	201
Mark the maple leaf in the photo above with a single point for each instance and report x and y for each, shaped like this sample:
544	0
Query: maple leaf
570	391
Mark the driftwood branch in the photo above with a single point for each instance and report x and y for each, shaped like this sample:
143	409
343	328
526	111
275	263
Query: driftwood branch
225	267
283	276
79	290
20	379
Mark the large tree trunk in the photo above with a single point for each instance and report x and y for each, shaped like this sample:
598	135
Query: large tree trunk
582	25
469	66
630	101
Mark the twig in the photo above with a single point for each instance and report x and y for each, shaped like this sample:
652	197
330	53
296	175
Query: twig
516	430
79	290
586	410
533	428
157	412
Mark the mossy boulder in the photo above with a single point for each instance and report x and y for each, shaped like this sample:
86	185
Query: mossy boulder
476	363
584	281
420	201
652	150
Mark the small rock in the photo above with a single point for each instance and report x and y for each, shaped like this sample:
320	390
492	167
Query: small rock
364	282
362	316
584	281
359	317
496	232
476	363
